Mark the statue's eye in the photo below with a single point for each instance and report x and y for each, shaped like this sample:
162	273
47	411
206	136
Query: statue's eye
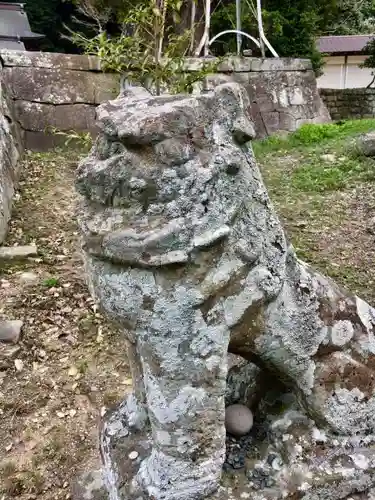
232	168
137	185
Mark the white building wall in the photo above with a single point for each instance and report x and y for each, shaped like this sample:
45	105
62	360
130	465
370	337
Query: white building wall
343	72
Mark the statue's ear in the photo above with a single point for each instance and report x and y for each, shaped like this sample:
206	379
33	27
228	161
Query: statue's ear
243	130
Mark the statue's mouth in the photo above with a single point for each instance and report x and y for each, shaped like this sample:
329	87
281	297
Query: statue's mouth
172	243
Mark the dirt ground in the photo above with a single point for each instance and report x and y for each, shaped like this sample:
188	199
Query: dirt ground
70	364
330	226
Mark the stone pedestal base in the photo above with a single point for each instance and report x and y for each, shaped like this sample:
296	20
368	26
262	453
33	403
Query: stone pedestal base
289	457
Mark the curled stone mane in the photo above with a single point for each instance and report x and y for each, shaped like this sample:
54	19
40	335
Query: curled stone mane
184	251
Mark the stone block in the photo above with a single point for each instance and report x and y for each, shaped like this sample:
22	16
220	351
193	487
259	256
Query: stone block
60	86
366	144
15	58
329	98
333	109
287	122
10	331
10	152
265	103
296	96
241	78
280	64
106	86
40	117
43	141
251	64
271	121
18	252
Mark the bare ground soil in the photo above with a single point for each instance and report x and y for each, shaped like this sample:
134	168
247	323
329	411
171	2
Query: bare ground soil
70	364
327	207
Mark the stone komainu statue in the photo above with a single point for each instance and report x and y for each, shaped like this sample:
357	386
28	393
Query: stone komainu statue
184	251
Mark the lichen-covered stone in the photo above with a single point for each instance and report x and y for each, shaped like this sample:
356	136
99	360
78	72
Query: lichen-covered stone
366	144
185	252
246	382
10	152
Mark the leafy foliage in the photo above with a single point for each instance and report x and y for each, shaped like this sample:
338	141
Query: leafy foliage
370	60
147	51
82	140
291	26
48	17
353	17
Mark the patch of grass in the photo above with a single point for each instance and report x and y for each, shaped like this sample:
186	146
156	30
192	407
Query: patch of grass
110	398
324	191
82	366
33	481
319	176
317	158
310	135
14	483
51	282
52	451
8	468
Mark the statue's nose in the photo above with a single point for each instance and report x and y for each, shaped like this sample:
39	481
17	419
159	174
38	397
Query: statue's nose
243	130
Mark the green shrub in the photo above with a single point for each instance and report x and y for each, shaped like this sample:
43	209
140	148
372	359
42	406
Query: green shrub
310	134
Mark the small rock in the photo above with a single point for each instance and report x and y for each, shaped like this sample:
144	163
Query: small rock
370	226
73	371
133	455
238	419
329	158
18	363
28	278
10	331
366	144
17	253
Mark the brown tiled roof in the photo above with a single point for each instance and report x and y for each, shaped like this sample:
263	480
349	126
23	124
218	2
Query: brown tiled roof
343	44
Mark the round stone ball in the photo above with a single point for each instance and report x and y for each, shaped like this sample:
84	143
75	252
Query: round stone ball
238	420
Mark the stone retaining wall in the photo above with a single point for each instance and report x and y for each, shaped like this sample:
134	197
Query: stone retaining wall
62	91
10	152
349	103
283	92
58	91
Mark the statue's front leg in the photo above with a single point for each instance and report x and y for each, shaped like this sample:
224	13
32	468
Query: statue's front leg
178	360
184	362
